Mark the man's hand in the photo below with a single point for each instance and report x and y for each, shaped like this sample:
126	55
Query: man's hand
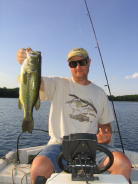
104	133
22	54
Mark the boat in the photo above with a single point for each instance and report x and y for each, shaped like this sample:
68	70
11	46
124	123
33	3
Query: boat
15	169
16	164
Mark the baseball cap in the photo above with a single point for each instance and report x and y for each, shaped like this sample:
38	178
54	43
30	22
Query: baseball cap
77	52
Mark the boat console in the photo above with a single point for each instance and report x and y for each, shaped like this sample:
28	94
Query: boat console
78	161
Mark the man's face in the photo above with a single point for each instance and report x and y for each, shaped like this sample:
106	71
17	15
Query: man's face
79	72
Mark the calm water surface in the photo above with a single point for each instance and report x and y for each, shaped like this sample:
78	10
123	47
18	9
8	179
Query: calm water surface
11	121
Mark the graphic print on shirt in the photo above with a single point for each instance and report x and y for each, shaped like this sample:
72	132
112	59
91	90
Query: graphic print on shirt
81	110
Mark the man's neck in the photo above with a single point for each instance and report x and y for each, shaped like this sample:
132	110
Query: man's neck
80	81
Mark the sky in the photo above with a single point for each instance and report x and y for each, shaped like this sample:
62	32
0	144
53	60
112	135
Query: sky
54	27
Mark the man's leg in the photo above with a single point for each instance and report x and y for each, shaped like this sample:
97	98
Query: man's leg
41	166
45	163
121	165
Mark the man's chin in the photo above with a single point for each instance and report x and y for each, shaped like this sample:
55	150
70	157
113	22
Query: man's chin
81	74
80	77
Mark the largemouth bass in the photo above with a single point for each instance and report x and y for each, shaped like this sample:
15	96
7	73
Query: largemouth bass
30	79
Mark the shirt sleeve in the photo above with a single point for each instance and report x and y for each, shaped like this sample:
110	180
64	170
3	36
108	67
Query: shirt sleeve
107	115
47	88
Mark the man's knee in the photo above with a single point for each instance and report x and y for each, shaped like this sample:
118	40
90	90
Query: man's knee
121	161
41	166
121	165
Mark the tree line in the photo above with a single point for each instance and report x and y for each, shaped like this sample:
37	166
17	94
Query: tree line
132	98
9	93
14	93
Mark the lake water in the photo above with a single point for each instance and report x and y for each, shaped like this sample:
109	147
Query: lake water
11	121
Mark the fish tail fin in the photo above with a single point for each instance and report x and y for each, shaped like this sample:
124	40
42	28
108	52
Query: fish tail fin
28	125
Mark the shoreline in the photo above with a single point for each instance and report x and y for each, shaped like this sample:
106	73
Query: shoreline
14	93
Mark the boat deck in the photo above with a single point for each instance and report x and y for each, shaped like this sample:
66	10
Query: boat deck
13	172
134	175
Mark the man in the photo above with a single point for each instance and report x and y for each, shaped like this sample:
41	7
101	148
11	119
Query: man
77	106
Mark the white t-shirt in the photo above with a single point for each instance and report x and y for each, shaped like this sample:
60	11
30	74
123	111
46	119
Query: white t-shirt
74	108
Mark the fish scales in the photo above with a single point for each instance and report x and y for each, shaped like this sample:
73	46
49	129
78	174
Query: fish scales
30	79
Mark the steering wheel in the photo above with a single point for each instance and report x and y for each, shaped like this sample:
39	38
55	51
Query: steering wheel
96	168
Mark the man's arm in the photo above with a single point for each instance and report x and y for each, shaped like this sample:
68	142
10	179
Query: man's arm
104	133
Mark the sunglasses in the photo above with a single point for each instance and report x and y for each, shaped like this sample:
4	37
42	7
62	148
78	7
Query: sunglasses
82	62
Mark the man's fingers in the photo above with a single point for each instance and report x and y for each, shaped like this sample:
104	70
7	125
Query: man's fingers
100	130
21	55
28	49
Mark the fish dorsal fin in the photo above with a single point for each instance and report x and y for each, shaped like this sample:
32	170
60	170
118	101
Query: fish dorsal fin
19	104
18	79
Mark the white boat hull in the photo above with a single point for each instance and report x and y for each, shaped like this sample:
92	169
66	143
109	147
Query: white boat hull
64	178
13	172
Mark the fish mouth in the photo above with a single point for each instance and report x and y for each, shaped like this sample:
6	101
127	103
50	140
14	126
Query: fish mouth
34	54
